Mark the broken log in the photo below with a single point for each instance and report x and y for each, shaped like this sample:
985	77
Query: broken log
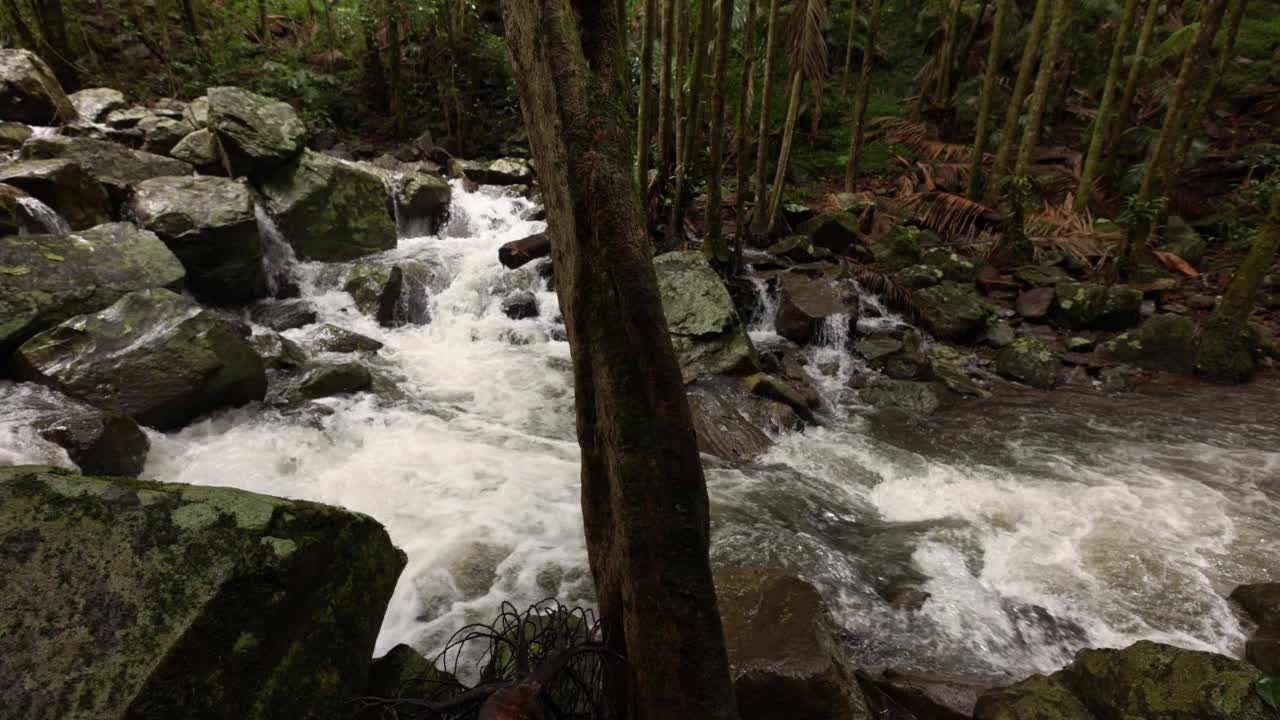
518	253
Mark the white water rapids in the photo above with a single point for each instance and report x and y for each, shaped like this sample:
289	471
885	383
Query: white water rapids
1036	525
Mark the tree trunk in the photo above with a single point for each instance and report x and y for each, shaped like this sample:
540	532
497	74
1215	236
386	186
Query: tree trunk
1102	122
742	225
1121	119
644	123
784	155
984	103
970	40
713	243
644	497
760	223
262	21
1040	95
666	111
53	29
860	105
1159	169
848	53
696	72
396	105
189	18
1209	87
373	73
24	31
1026	69
947	57
1224	350
681	80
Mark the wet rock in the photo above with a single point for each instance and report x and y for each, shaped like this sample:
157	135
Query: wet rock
806	304
200	150
509	171
14	218
950	368
161	134
184	601
278	352
46	279
394	295
1088	306
954	311
29	92
784	660
899	248
835	231
731	423
708	335
330	380
403	673
423	201
519	253
768	386
284	315
953	267
908	396
1202	302
1036	303
153	354
799	248
105	442
875	348
1261	604
1037	698
795	213
1080	344
329	210
13	135
919	277
93	104
209	223
115	166
331	338
521	305
999	334
64	186
1031	361
1164	342
257	134
932	697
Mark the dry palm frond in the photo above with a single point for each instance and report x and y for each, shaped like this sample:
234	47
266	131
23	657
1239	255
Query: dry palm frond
916	135
1062	228
808	45
952	175
943	212
901	298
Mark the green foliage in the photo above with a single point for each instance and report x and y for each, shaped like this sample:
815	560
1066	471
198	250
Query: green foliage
1268	688
1140	214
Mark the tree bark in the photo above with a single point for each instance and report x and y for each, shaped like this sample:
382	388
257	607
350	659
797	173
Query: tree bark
666	110
53	31
691	123
970	40
946	58
374	76
1102	122
784	155
740	132
848	53
759	223
1026	70
681	79
1121	119
984	103
859	130
644	497
644	123
1040	95
713	243
1235	14
395	105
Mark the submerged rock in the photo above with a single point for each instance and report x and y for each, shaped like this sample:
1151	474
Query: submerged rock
284	315
101	442
115	166
1031	361
64	186
806	303
45	279
209	223
520	306
184	601
708	335
29	92
153	354
256	133
330	210
340	379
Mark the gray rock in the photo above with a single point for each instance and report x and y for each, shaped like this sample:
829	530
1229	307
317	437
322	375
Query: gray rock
161	134
200	150
12	135
278	352
105	442
330	210
331	338
708	335
64	186
330	380
731	423
520	306
257	134
908	396
284	315
1035	303
197	113
806	304
93	104
29	92
1031	361
394	295
115	166
125	118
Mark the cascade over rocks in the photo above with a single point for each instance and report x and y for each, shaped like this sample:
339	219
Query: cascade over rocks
102	442
330	210
93	104
278	352
394	295
153	354
184	601
209	223
256	133
64	186
331	338
284	315
115	166
805	303
733	424
46	279
708	335
29	92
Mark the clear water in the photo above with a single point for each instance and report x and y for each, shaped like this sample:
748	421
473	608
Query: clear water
1037	524
43	219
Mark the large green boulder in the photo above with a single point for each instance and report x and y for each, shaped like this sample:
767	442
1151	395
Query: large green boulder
99	442
1164	342
256	133
93	104
64	186
153	354
1036	698
899	248
1089	306
149	601
708	335
29	92
1031	361
954	310
836	231
45	279
330	210
115	166
209	223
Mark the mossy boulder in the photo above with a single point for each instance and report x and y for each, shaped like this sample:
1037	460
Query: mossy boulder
505	171
899	248
255	133
101	442
799	248
209	223
197	112
806	304
330	210
161	134
783	657
708	335
46	279
64	186
1163	342
919	277
835	231
403	673
115	166
331	338
393	294
184	601
93	104
1089	306
953	267
954	310
13	134
153	354
911	397
1036	698
200	150
29	91
339	379
774	388
1029	360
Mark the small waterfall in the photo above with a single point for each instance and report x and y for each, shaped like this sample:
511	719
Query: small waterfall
44	218
875	317
278	258
764	318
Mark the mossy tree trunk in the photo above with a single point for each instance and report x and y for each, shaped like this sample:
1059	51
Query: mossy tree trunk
713	244
946	59
760	223
1136	66
1224	350
644	123
971	39
53	29
784	155
1026	70
985	101
848	52
740	132
858	132
644	496
666	107
1044	80
1209	87
681	80
697	71
1102	122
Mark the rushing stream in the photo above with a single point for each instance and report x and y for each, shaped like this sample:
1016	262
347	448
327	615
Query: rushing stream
994	539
